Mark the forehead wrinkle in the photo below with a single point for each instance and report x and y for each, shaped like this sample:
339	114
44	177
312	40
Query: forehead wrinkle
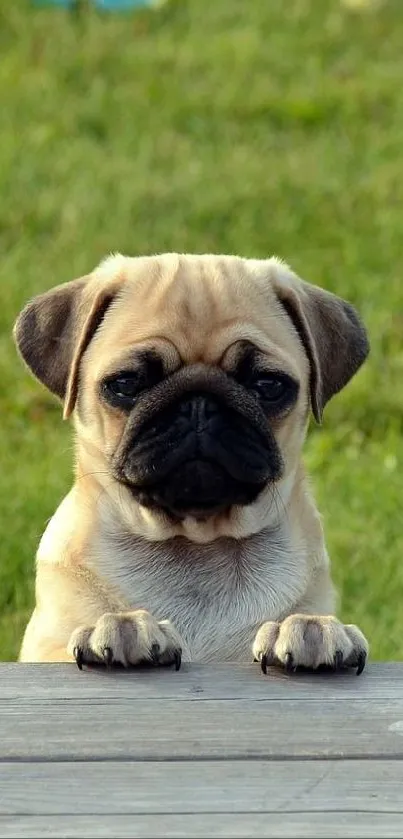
271	357
146	279
136	355
187	288
195	301
185	301
200	305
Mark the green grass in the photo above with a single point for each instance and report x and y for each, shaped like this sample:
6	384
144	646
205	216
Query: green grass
230	126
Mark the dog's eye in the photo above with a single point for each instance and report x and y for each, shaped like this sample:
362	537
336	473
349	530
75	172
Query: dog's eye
271	387
123	389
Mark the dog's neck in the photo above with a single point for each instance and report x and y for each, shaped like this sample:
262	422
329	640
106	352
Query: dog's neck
205	589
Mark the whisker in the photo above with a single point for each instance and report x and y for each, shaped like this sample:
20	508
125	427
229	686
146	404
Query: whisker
91	474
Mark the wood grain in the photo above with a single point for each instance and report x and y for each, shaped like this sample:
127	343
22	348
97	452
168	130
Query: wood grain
212	751
216	826
216	681
206	787
163	729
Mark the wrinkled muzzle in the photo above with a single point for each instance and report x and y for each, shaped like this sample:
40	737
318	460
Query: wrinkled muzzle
196	444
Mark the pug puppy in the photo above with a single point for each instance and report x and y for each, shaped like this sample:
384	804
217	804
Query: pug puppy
190	530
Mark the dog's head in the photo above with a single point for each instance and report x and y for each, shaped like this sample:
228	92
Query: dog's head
191	379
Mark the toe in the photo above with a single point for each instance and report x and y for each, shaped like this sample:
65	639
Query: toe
289	664
361	661
107	655
263	664
338	660
155	653
78	653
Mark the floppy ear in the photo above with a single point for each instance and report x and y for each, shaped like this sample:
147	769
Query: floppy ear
54	329
334	338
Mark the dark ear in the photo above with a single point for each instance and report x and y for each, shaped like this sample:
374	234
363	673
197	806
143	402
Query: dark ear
54	329
334	338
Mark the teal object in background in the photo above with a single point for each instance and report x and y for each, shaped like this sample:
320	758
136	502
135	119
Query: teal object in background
124	5
66	4
103	5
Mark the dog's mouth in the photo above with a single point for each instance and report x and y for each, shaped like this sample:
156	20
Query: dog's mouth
198	488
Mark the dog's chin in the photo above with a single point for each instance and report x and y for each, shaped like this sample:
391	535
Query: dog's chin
199	490
176	513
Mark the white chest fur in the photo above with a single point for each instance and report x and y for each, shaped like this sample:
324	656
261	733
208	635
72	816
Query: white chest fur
217	595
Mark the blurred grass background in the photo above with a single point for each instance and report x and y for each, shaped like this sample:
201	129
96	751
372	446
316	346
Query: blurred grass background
229	126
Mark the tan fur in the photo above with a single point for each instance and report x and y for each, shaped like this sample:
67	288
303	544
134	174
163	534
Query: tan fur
209	587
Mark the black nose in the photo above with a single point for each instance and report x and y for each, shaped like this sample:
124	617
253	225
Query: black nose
199	409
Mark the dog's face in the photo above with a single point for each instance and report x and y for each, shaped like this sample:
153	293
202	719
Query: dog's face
192	378
195	395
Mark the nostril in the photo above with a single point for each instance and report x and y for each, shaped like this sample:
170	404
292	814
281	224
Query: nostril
208	407
186	408
198	408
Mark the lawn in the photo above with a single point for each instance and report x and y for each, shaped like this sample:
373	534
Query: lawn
230	126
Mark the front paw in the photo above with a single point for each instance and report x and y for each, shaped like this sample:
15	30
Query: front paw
310	641
126	638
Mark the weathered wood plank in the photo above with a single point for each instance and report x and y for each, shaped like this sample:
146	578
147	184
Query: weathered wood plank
148	753
163	729
221	826
33	682
177	787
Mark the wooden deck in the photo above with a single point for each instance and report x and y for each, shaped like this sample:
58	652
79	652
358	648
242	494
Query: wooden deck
211	751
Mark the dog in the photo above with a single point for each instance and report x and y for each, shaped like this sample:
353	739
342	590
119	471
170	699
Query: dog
190	531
